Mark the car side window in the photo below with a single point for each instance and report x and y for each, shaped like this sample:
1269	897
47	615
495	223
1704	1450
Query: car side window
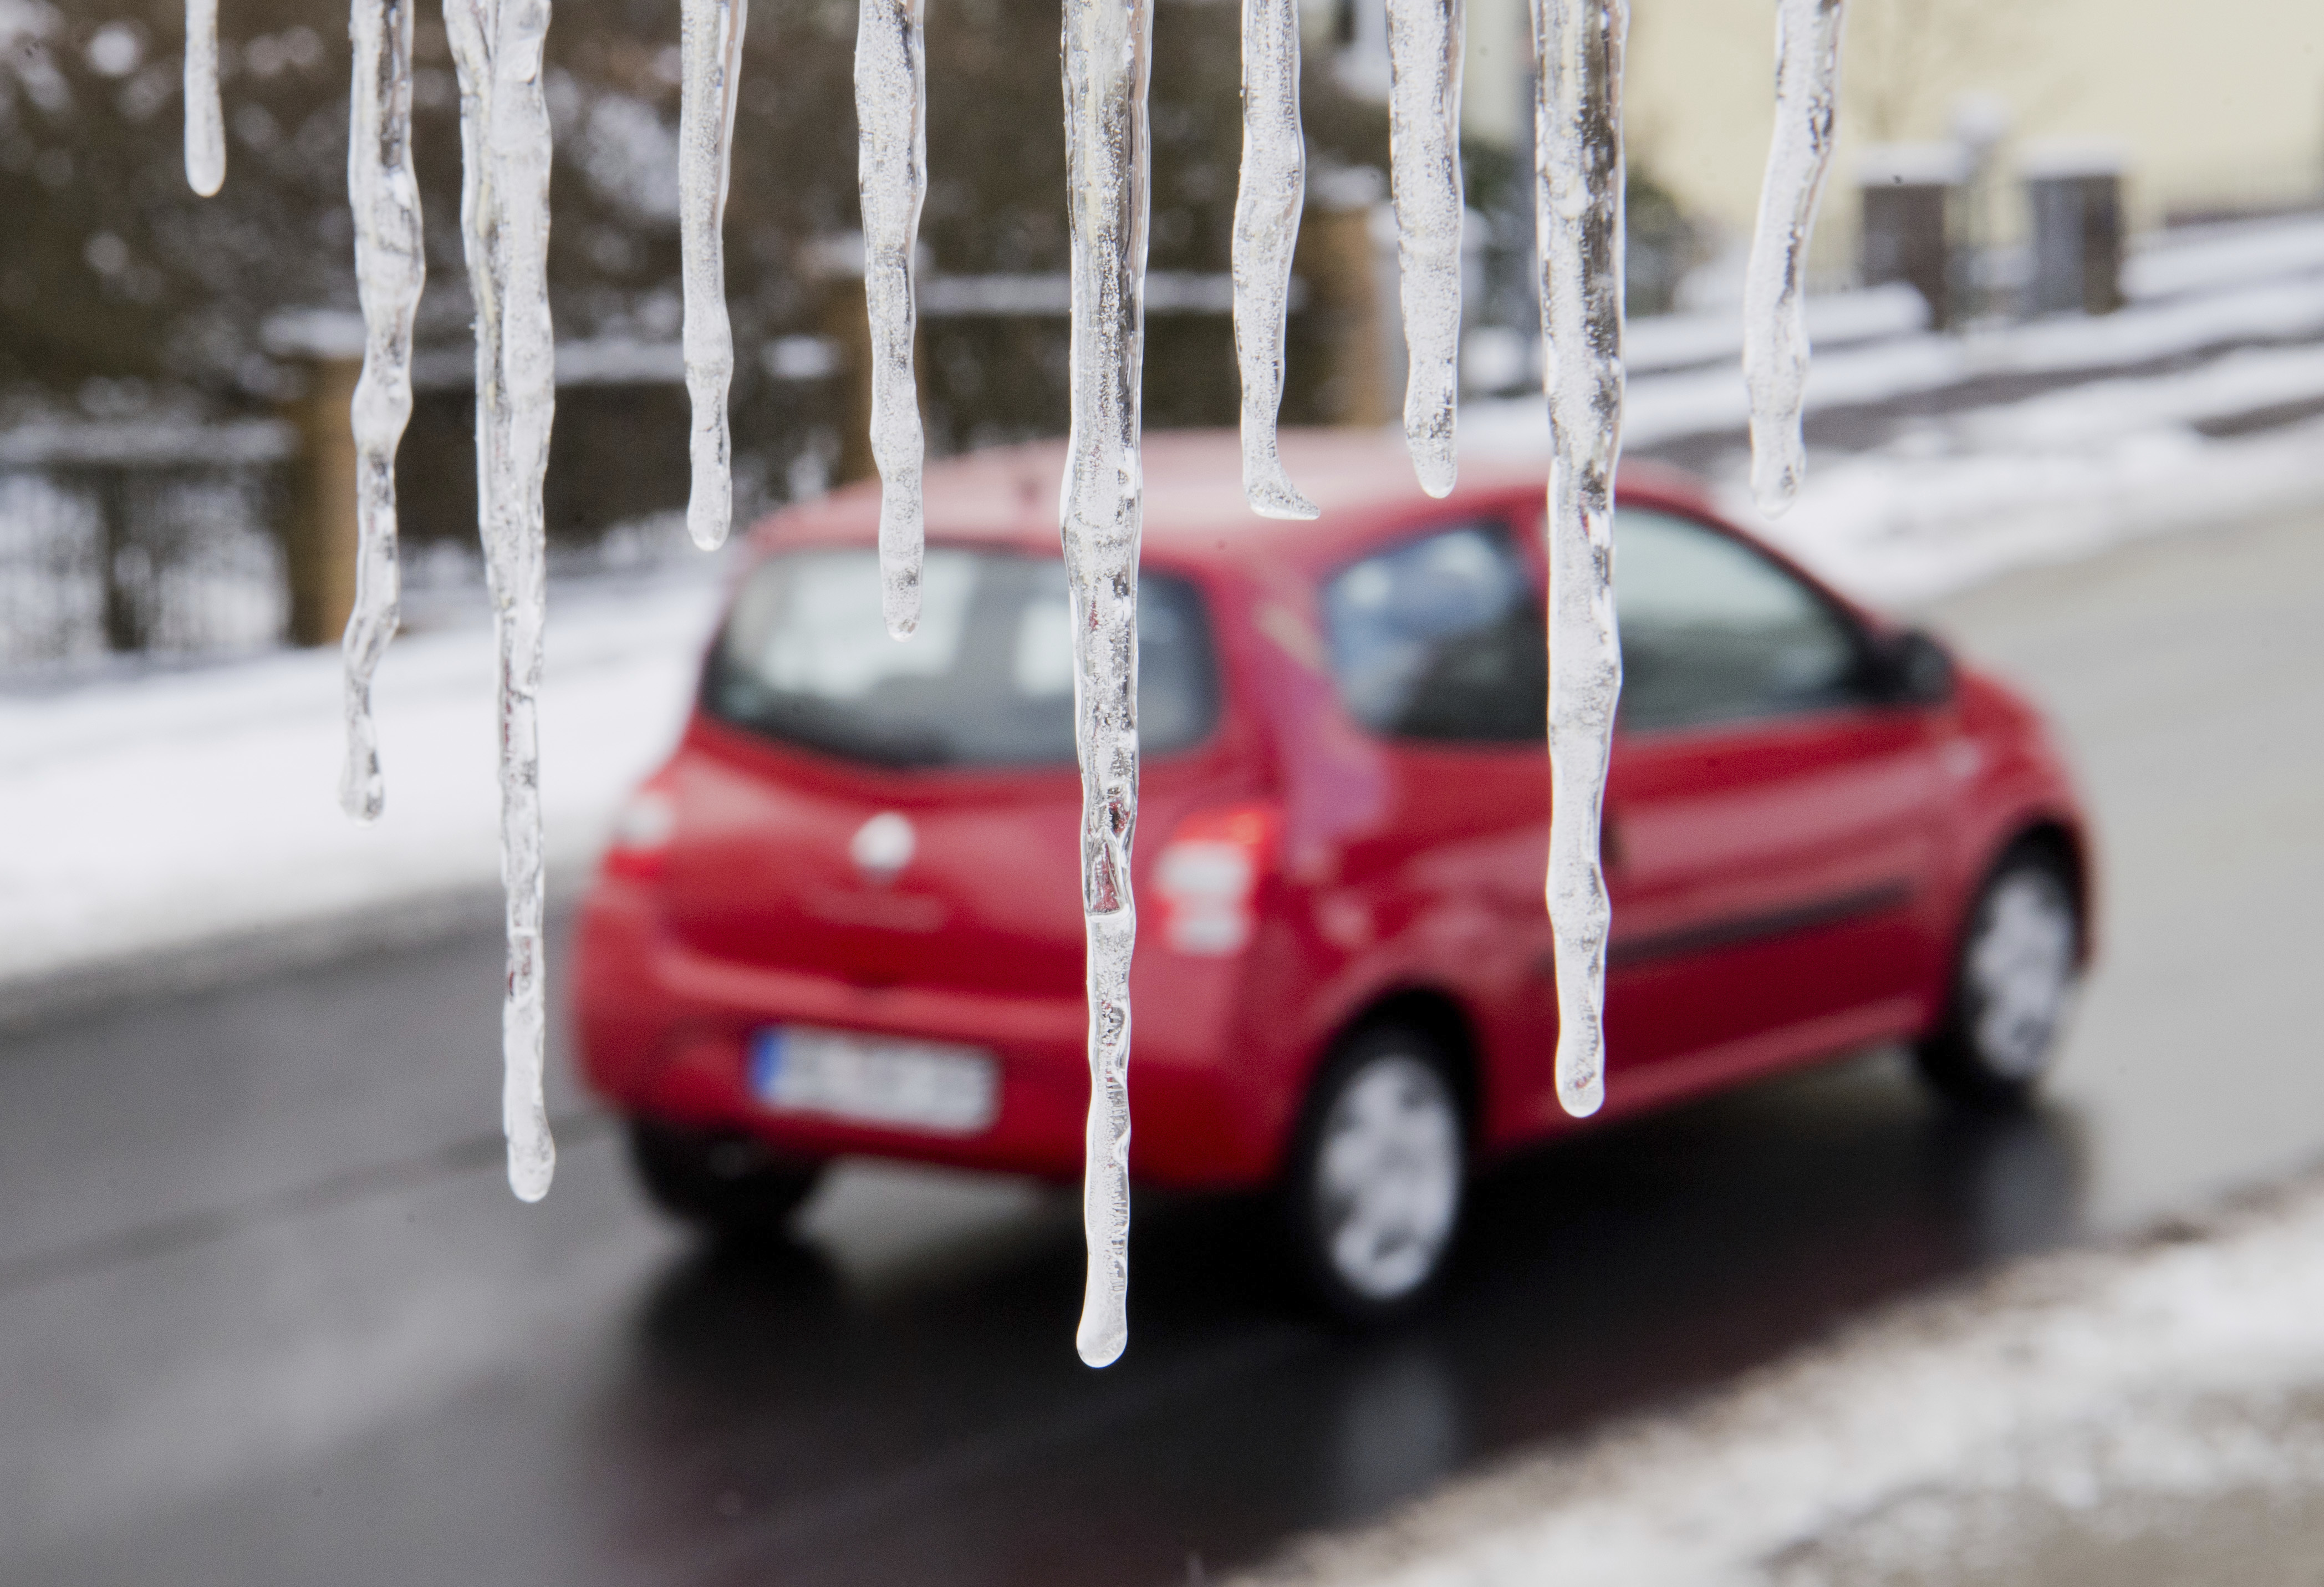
1714	631
1440	638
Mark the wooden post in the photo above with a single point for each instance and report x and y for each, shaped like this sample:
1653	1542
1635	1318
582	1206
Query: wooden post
1351	328
1907	190
318	543
835	265
2075	196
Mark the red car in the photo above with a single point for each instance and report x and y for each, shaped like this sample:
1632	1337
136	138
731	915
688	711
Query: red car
844	918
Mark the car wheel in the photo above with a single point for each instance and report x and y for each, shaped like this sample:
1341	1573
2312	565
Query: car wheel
1373	1193
2014	976
727	1184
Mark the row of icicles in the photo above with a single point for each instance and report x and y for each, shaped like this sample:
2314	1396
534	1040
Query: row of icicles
497	47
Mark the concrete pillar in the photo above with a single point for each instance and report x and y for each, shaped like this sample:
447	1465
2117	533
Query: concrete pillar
1907	191
319	537
2074	196
1351	322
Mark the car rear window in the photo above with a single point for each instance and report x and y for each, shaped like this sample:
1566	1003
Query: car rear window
988	680
1441	638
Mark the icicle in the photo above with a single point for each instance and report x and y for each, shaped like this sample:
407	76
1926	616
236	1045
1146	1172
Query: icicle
1578	218
1109	57
204	114
1266	232
1775	328
1424	51
710	52
892	174
497	45
389	269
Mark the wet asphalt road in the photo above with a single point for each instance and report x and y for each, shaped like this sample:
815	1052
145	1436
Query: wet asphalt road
268	1316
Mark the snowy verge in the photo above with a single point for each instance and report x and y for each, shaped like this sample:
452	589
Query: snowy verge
2124	1372
149	814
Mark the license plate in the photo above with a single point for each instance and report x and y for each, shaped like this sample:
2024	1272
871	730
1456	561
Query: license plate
929	1085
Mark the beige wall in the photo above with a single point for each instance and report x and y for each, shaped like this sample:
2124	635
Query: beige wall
2216	102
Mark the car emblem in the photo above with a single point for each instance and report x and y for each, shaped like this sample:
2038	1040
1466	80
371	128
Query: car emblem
882	846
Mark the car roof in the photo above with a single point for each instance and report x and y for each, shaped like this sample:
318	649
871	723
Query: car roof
1194	511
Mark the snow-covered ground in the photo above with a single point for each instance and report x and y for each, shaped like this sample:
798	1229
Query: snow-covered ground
2157	1380
160	811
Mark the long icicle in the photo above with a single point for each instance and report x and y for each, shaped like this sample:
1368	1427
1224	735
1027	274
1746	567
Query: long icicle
710	54
1108	62
1775	320
891	118
1274	185
205	112
391	267
1425	40
504	139
1578	220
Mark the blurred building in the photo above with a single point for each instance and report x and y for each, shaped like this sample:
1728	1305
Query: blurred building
2213	112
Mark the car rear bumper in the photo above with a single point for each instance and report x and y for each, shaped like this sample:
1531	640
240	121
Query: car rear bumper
663	1032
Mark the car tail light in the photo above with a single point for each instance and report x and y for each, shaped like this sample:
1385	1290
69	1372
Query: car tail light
1208	878
641	835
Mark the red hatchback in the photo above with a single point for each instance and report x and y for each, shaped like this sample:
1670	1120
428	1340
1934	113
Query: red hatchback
844	919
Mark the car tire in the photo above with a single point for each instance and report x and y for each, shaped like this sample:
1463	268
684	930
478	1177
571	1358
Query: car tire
726	1185
2015	971
1372	1194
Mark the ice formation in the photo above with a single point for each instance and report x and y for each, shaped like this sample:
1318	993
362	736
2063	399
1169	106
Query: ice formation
205	115
1577	219
892	174
504	143
1107	62
1425	40
710	54
389	270
1774	328
1274	186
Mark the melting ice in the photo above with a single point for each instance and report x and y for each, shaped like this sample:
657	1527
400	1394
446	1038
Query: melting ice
390	267
1425	40
1107	62
892	175
504	141
1774	328
205	116
710	52
1274	186
1578	210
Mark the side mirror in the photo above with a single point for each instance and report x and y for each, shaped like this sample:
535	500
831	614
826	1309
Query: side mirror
1907	668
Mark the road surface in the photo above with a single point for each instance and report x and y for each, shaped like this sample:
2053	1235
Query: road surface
269	1316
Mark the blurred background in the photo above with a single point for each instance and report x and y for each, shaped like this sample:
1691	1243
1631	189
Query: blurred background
266	1313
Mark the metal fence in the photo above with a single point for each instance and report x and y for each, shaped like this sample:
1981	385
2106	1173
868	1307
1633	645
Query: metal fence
153	538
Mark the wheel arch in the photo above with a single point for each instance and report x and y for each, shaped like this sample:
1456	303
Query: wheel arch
1438	1014
2064	843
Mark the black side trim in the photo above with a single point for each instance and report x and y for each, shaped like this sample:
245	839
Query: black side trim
1747	928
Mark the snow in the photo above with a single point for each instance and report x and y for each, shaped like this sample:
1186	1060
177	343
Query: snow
2029	1385
891	114
1267	203
1775	323
1713	400
1577	217
2213	256
1425	38
1108	66
1666	342
710	58
251	839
